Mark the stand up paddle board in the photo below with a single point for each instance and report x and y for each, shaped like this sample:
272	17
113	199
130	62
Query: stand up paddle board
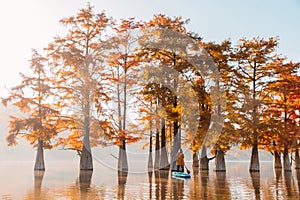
181	175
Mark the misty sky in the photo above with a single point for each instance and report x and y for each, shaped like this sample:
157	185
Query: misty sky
33	24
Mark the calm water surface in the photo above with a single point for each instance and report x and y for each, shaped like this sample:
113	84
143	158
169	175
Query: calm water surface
62	180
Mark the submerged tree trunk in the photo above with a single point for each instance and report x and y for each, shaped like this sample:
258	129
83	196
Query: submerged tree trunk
122	161
164	163
277	160
195	160
39	161
176	144
86	160
286	160
150	162
297	159
157	151
220	165
150	159
204	159
254	162
176	133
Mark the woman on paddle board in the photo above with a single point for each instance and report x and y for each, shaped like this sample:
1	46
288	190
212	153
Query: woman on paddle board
180	161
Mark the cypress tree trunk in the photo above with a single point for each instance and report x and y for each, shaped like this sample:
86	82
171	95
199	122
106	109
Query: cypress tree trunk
220	165
122	161
176	144
203	159
277	160
150	162
254	163
157	151
176	133
297	160
39	161
164	163
195	160
286	160
150	159
86	160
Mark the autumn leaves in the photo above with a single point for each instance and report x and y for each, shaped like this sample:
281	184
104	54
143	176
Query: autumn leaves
77	96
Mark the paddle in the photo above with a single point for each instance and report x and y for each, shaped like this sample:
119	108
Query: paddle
188	171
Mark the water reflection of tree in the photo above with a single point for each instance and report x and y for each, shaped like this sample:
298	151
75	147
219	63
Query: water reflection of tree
278	182
157	184
204	174
150	175
37	190
289	186
222	189
122	179
85	179
255	178
81	189
38	179
164	175
178	188
194	191
161	183
298	180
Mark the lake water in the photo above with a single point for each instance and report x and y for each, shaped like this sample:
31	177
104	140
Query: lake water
62	180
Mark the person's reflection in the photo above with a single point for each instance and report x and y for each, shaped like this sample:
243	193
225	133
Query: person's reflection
38	179
204	174
178	188
221	186
85	178
122	179
288	183
255	177
150	174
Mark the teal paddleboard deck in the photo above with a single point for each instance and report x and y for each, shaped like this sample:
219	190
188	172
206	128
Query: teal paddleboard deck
181	175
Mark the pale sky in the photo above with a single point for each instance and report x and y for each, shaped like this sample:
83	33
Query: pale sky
33	23
27	24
